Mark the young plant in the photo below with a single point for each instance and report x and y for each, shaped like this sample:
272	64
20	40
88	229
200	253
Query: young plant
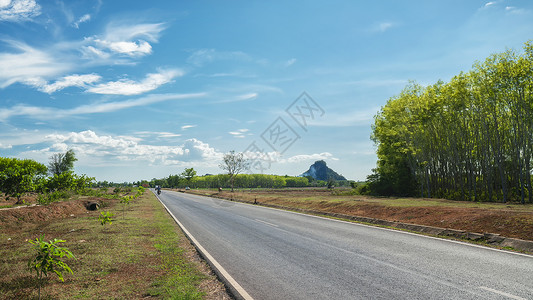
125	201
48	259
106	217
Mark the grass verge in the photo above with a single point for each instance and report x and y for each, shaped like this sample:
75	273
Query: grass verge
143	253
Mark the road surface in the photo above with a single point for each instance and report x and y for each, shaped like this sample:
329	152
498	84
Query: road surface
275	254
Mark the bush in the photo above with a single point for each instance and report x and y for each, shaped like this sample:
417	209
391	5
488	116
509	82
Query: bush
55	196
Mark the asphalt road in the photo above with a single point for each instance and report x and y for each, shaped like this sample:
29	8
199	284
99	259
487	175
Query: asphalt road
274	254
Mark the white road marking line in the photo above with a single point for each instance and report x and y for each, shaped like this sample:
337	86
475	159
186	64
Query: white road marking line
265	222
210	258
510	296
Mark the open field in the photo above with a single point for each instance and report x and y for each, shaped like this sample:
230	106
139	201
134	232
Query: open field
142	254
510	220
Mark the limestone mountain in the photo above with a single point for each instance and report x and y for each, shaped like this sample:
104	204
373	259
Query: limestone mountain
320	171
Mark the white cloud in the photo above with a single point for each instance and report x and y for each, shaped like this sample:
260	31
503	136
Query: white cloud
67	81
48	113
159	134
205	56
131	48
489	3
515	10
290	62
187	127
83	19
240	133
18	10
130	87
126	148
27	64
125	39
2	146
382	27
308	157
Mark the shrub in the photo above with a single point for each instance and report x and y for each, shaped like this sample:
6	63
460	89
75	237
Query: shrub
48	259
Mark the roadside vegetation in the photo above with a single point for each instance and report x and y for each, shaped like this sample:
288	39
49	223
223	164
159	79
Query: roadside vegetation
101	242
469	139
143	254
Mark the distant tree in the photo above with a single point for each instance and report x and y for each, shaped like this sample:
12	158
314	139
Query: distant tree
188	174
233	164
173	181
62	162
18	177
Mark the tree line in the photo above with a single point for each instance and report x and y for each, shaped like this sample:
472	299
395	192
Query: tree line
240	181
468	139
21	176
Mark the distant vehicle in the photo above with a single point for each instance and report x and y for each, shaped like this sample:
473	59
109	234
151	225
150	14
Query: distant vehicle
187	188
158	189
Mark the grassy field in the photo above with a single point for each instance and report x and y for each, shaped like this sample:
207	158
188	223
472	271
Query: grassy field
141	254
510	220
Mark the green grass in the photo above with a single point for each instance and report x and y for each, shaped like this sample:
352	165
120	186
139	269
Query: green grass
134	257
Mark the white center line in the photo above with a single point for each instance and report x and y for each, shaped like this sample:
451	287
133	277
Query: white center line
265	222
510	296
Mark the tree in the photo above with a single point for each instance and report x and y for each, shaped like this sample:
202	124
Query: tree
188	174
173	181
18	177
468	139
233	164
48	259
62	162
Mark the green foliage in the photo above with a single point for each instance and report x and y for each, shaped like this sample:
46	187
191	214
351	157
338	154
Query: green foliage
125	201
55	196
62	162
106	217
48	258
188	175
20	176
66	181
468	139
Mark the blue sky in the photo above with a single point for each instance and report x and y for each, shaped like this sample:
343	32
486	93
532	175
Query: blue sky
144	89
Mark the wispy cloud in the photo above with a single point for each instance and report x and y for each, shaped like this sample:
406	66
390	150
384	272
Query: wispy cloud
67	81
205	56
240	133
27	64
185	127
158	134
515	10
131	40
130	87
383	26
308	157
47	113
290	62
18	10
82	19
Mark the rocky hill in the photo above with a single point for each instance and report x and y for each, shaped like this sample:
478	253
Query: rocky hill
320	171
